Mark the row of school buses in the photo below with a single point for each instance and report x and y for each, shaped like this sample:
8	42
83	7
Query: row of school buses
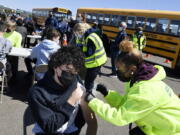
162	28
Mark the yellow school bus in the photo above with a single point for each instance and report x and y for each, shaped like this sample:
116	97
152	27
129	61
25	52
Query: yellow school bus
162	28
62	12
40	14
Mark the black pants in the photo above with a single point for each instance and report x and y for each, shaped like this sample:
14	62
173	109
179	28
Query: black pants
13	61
114	54
28	63
91	74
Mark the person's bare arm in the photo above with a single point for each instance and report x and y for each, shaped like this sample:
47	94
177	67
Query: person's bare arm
89	117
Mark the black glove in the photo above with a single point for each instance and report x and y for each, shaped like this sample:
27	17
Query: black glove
102	89
89	96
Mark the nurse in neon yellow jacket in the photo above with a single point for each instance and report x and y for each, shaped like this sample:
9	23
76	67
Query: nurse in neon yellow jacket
148	101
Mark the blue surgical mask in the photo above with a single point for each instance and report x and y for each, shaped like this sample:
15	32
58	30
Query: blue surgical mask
79	19
140	32
80	36
120	28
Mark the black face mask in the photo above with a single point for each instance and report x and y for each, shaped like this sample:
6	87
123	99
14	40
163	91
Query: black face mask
122	77
8	30
67	78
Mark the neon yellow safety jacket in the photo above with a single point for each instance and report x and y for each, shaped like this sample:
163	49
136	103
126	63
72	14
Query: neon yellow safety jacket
14	37
139	43
99	57
151	104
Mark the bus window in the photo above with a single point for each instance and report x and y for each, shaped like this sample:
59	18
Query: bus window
179	32
174	27
122	18
140	21
47	13
94	17
115	21
88	17
100	18
34	12
162	25
41	13
150	24
57	15
107	20
130	21
38	13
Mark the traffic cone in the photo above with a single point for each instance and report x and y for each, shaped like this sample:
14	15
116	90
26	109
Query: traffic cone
167	61
64	43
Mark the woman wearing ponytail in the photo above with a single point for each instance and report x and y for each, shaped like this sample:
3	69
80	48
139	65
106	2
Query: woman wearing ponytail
148	101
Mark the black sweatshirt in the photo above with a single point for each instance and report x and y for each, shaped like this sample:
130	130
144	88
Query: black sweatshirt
48	102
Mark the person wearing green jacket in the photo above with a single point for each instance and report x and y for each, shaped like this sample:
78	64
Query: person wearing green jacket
139	39
148	101
15	38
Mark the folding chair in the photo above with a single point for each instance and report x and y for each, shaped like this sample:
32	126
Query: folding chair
42	68
3	79
28	120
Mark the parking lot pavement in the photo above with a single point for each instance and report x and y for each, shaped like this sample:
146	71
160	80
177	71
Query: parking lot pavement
15	103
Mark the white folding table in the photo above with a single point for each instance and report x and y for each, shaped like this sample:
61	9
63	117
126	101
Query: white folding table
20	52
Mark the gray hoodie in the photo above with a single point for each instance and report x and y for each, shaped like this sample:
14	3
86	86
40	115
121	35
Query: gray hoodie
42	52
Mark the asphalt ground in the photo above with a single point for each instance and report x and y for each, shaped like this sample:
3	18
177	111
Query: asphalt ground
14	103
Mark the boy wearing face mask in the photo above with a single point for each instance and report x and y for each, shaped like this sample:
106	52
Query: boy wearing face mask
56	101
15	38
148	101
115	46
41	52
12	35
139	39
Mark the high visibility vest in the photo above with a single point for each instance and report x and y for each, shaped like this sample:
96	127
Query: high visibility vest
99	57
79	42
139	43
151	104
